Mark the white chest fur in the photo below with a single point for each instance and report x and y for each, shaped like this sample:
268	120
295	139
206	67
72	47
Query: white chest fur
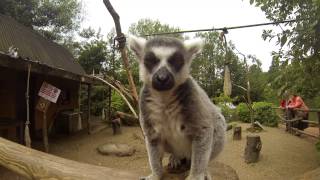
168	123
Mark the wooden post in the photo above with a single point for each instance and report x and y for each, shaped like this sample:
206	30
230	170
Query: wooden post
237	133
116	126
27	138
319	123
89	109
124	55
45	132
253	148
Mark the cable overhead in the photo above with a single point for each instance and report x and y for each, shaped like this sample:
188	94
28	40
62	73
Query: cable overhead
221	29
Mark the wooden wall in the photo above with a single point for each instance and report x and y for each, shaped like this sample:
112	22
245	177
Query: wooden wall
12	96
70	90
8	93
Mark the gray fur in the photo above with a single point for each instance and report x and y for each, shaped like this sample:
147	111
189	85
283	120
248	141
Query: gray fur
181	121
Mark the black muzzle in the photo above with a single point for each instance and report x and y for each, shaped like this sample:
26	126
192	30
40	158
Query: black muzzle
163	80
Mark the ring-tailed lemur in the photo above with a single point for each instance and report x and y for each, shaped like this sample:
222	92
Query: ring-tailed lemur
176	115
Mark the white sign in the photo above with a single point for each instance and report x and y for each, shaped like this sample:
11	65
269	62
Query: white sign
49	92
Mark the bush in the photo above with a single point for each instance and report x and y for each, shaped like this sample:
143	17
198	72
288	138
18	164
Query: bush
226	106
228	113
243	112
263	113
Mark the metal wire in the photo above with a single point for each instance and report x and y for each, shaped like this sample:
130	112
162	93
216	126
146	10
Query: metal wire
222	29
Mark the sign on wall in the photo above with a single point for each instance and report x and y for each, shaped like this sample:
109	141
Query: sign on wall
49	92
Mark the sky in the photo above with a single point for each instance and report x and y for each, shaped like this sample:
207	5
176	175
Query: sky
189	15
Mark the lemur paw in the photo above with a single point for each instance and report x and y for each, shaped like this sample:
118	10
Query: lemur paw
177	165
151	177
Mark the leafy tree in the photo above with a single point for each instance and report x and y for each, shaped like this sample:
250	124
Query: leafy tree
295	68
208	66
54	19
92	51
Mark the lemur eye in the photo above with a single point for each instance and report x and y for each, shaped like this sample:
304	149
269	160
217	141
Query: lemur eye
176	61
150	61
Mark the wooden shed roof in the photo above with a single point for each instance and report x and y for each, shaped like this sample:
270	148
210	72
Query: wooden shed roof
35	48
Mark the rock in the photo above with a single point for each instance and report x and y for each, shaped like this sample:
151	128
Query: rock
116	149
219	171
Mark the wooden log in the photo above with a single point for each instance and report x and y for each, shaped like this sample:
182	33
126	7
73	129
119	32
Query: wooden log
127	119
253	148
34	164
237	133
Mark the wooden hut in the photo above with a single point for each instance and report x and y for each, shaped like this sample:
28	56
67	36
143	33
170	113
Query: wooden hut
21	48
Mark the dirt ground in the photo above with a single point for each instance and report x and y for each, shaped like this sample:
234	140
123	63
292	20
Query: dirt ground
283	156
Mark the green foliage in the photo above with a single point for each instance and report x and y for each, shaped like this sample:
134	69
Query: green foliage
225	104
263	113
99	99
117	103
54	19
148	26
243	113
92	54
294	68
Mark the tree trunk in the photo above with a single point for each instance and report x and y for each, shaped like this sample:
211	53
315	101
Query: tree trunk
237	133
253	148
123	50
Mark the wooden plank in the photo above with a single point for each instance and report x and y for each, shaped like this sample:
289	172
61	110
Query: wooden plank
310	122
34	164
305	133
310	110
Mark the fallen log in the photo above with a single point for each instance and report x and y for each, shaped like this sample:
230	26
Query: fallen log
34	164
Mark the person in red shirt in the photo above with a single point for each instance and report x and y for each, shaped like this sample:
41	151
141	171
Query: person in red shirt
299	110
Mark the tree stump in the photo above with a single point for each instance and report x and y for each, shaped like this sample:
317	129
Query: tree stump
252	150
116	126
237	133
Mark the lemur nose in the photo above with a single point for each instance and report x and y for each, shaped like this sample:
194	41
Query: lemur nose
162	78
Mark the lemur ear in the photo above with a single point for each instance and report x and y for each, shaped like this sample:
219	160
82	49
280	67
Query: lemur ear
136	44
193	46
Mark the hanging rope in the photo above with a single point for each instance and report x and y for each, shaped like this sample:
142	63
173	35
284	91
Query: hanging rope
27	138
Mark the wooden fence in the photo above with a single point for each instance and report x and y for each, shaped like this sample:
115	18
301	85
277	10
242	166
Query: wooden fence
34	164
289	123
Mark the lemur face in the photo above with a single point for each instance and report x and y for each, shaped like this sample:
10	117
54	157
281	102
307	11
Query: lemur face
164	62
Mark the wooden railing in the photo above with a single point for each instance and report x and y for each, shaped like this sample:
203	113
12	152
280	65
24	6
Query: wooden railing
292	129
34	164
